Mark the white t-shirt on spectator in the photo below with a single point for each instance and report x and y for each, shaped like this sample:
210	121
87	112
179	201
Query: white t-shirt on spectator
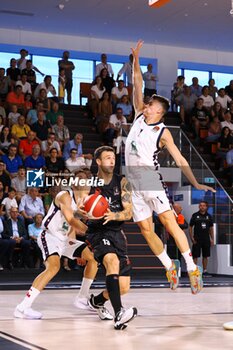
55	144
13	117
117	122
50	89
119	93
101	66
223	101
228	124
8	203
25	87
97	91
207	101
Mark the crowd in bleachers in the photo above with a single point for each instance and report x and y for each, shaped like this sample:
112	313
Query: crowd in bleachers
207	117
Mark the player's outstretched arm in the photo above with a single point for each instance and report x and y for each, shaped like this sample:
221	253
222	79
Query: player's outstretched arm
181	162
126	199
64	202
137	79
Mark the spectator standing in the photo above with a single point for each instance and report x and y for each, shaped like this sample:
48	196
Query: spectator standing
61	85
213	90
22	62
69	67
5	84
196	89
13	72
103	65
127	69
201	234
150	80
31	74
229	89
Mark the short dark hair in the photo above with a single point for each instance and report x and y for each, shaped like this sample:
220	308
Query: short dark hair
11	189
162	100
98	152
206	203
74	149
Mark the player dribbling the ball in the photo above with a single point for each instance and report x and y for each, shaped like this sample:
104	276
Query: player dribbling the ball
108	240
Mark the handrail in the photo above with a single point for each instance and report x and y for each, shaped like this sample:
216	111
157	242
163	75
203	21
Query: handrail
206	165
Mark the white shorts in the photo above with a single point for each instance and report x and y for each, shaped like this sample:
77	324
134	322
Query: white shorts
145	202
50	244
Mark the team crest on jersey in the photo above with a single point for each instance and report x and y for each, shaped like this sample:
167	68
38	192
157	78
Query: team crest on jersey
65	226
156	128
134	149
116	191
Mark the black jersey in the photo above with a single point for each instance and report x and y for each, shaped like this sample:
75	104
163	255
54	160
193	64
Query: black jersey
112	192
202	224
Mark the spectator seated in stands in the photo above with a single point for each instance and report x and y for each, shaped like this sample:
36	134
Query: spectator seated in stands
13	115
117	92
4	177
186	100
42	127
50	143
27	102
34	230
200	117
13	72
62	134
42	98
224	145
35	161
19	183
196	89
105	110
229	159
213	90
231	110
1	123
8	202
16	97
6	249
208	101
54	163
104	65
77	144
12	161
31	74
217	111
15	231
214	131
178	89
74	163
114	128
26	87
107	81
25	145
223	99
20	130
3	194
5	84
47	86
97	91
5	140
52	115
2	110
227	121
229	89
30	205
32	116
126	107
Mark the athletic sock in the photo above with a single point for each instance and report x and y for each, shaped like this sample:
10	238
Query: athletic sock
165	260
85	287
189	261
30	297
100	299
113	288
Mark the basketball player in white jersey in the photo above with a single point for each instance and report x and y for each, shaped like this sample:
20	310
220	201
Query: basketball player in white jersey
146	138
57	239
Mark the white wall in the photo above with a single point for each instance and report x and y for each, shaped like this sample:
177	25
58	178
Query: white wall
168	56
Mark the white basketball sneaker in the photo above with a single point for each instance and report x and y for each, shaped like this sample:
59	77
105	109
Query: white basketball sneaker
28	313
123	317
101	310
228	326
82	303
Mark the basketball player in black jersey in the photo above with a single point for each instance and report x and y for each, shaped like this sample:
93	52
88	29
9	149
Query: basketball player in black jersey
108	240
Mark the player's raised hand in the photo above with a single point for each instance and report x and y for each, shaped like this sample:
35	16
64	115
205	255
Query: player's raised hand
205	188
136	50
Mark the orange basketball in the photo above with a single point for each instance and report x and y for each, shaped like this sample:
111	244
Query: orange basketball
96	206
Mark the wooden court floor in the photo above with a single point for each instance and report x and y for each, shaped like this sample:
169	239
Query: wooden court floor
167	320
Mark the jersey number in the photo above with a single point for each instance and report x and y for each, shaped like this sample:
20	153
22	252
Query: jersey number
106	241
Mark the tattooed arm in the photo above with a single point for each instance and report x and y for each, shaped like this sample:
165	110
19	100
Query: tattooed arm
126	199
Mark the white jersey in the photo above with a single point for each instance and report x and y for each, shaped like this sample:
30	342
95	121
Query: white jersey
142	144
54	222
141	156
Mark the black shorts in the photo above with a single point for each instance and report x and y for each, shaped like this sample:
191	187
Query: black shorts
110	241
201	247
